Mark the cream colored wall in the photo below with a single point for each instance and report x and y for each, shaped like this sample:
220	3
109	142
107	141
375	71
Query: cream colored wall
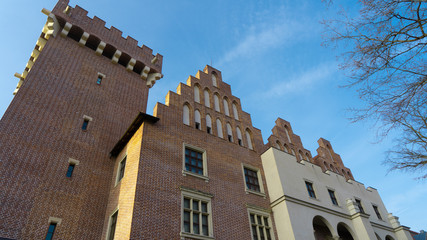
293	208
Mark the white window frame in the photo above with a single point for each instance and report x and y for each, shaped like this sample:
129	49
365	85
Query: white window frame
260	182
107	235
261	212
201	196
205	165
118	169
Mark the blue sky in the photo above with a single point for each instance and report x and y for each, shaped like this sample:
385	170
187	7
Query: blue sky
268	51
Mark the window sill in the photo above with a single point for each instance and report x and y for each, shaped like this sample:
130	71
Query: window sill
185	173
195	236
314	198
255	193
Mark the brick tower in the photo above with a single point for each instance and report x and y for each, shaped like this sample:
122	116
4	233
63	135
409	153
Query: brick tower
82	87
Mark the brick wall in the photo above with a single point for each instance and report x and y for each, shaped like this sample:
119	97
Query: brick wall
41	130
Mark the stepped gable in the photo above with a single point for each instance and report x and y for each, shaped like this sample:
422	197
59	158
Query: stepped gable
283	138
96	29
207	96
328	160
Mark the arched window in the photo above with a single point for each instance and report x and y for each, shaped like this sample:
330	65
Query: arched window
186	115
239	136
226	111
301	156
286	148
332	168
214	82
216	102
208	124
278	145
293	152
229	133
207	98
308	156
235	113
197	94
249	139
219	128
326	165
197	119
287	134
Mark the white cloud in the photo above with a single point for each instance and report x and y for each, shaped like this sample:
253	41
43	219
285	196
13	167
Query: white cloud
275	30
301	81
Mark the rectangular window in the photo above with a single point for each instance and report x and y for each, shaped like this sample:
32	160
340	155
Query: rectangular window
100	77
333	198
359	205
112	227
121	172
196	214
197	125
260	226
310	189
85	123
377	212
50	231
251	179
209	130
70	170
193	161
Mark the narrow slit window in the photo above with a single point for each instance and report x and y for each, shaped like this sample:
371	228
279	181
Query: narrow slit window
85	124
70	170
99	79
113	222
50	231
122	167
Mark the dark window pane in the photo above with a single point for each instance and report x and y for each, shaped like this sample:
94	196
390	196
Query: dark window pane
85	123
252	218
70	170
204	207
186	221
113	222
261	233
196	225
50	231
186	203
195	205
265	221
254	232
122	169
193	161
251	178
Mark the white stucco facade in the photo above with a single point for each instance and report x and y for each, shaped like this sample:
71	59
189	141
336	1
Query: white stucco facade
295	211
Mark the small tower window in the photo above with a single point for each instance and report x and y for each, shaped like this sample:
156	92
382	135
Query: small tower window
70	170
86	120
100	77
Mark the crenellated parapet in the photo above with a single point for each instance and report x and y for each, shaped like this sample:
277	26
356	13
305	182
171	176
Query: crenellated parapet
74	23
283	138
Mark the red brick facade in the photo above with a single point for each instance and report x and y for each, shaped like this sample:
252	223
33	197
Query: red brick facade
42	130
